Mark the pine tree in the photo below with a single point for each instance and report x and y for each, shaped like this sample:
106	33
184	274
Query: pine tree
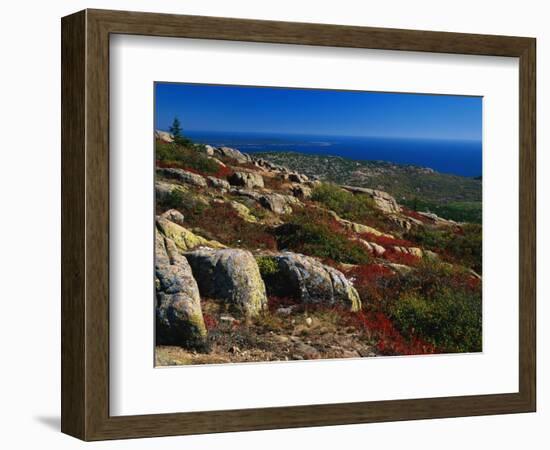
175	129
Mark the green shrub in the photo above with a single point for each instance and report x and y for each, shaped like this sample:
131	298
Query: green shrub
186	202
463	246
347	205
450	320
306	235
436	302
460	211
173	200
267	265
188	156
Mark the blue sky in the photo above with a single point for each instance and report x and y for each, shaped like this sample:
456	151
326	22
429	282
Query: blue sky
317	112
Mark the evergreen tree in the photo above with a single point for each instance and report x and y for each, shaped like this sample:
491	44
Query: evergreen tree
175	129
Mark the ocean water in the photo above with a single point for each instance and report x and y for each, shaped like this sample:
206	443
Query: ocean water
462	158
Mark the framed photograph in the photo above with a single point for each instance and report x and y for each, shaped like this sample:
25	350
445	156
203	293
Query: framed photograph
273	225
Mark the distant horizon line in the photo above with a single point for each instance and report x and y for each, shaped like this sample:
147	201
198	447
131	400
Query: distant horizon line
275	133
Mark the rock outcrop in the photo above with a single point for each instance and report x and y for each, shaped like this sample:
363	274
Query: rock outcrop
243	211
301	191
413	251
297	177
182	237
311	282
248	180
173	215
358	227
218	183
231	276
164	190
179	319
405	222
183	176
436	220
372	247
164	136
278	203
384	201
233	154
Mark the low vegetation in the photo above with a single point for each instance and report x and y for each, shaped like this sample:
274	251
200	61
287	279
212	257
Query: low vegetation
315	233
357	208
454	194
457	211
185	156
412	302
434	304
461	245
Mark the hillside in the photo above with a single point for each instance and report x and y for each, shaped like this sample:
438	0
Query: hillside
258	261
419	188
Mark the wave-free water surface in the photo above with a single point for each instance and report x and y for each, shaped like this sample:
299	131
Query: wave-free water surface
456	157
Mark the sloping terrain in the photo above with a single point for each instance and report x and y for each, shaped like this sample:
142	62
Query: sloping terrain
420	188
256	261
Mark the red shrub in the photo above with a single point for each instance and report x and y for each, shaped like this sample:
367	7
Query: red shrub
465	279
223	171
209	321
221	222
369	273
415	215
389	340
385	240
401	258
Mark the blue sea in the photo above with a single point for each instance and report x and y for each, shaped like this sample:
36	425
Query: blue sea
453	157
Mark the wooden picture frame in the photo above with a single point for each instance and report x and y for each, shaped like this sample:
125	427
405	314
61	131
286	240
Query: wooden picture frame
85	224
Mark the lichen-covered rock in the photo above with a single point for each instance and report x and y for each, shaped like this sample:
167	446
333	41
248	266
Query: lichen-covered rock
218	183
405	222
163	190
278	203
401	269
173	215
246	193
308	280
415	251
179	319
243	211
233	154
298	177
436	220
247	179
182	237
372	247
358	227
383	200
164	136
301	191
231	276
183	176
209	150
